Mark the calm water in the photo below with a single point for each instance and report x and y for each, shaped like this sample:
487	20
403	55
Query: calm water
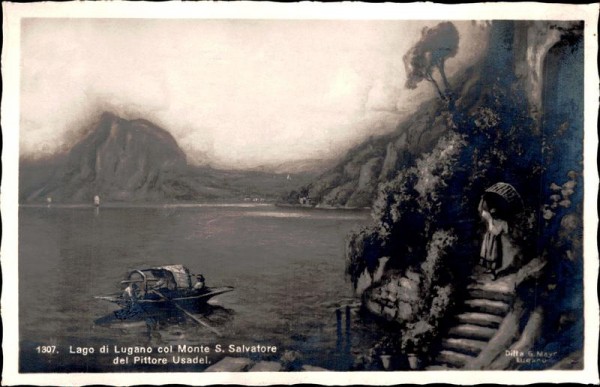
287	266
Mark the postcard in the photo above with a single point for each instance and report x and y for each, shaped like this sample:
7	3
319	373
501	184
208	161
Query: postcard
259	193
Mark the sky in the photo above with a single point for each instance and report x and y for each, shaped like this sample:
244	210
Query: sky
233	93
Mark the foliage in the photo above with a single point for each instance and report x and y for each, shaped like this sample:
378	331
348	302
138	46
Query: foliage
436	291
438	248
429	53
408	208
363	250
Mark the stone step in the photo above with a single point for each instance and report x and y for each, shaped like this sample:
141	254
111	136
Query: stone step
472	332
231	364
481	319
266	366
504	284
466	346
482	305
491	295
454	359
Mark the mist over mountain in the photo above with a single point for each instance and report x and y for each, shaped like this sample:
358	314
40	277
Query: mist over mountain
352	181
135	160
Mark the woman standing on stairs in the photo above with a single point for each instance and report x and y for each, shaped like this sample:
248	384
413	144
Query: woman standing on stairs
497	206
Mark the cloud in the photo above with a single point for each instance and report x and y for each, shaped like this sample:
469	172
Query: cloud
234	93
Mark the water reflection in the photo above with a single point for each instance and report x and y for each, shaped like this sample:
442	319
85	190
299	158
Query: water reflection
160	324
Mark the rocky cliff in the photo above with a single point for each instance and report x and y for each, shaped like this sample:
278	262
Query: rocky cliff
354	180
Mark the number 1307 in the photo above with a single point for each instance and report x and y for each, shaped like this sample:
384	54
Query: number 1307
46	349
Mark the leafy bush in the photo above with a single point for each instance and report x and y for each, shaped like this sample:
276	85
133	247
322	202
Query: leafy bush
436	295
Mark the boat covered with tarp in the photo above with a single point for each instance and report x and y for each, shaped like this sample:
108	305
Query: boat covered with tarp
161	293
164	285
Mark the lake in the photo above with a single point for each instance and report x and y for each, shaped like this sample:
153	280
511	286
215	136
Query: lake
286	264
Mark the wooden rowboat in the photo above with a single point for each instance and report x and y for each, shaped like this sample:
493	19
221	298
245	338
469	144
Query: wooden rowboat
164	284
158	290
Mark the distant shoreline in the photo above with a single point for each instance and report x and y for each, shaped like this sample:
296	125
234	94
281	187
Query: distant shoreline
321	207
192	205
147	204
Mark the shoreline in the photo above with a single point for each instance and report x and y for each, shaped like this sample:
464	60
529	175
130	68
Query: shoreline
321	207
193	205
147	205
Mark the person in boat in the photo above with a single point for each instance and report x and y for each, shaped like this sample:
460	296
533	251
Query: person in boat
164	282
161	283
131	292
131	308
200	282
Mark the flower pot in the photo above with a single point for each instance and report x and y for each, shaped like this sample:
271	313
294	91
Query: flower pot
413	361
386	361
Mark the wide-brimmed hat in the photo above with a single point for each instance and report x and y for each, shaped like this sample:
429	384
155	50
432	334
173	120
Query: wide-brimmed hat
504	197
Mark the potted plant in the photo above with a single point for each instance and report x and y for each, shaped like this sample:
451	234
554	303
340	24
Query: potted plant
415	342
388	350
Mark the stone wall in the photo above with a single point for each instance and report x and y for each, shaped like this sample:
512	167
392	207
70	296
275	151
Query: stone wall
395	297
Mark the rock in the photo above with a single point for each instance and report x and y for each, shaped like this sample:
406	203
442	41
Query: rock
405	311
368	172
409	290
413	276
373	306
408	284
389	313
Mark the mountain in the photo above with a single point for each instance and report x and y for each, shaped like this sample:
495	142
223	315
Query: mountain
135	160
120	160
353	181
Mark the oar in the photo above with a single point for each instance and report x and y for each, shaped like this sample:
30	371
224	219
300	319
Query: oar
195	318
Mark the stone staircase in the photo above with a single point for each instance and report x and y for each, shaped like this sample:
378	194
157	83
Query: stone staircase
476	323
